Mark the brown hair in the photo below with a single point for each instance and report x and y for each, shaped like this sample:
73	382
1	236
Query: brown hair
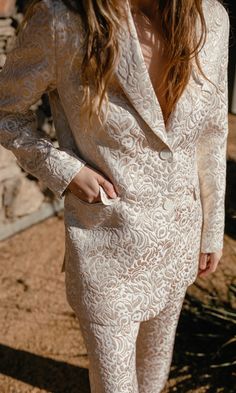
101	21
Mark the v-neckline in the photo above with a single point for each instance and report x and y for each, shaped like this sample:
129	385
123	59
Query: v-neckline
166	124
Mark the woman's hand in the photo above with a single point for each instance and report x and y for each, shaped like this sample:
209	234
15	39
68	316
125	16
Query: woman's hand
208	262
85	185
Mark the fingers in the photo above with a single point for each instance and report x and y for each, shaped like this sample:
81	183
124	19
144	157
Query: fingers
203	261
208	263
204	264
108	187
85	185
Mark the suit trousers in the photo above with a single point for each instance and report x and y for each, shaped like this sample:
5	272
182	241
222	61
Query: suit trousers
135	357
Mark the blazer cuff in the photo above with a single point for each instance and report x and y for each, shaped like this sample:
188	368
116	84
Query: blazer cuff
65	170
212	242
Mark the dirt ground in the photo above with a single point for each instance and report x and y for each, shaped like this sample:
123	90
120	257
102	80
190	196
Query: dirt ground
41	348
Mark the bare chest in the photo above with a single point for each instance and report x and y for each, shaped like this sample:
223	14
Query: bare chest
154	57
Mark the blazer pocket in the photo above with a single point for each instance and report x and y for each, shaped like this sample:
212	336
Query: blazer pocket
105	200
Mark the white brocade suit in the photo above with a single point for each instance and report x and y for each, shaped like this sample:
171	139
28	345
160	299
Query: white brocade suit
125	258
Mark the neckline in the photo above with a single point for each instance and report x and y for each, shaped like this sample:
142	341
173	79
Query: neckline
166	124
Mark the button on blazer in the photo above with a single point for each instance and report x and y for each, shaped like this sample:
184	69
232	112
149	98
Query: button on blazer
123	256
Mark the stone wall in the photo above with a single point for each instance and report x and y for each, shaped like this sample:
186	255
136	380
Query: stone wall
23	199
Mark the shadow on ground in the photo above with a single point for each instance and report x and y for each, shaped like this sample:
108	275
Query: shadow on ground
43	373
201	358
204	349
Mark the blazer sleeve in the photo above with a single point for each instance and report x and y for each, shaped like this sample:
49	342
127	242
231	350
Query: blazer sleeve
28	72
211	153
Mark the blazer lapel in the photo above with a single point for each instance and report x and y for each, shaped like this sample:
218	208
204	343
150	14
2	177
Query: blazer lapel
134	79
133	76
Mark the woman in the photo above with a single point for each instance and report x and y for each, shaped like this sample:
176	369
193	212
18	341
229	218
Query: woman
138	93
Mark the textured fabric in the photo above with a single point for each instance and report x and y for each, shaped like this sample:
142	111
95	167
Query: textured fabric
134	358
30	71
123	258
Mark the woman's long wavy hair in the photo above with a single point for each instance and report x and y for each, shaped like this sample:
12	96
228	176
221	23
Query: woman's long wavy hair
101	21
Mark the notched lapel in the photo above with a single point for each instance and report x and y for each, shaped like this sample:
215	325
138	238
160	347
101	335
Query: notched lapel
134	79
133	76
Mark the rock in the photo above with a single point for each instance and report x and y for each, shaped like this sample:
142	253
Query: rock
22	198
7	30
5	22
11	187
10	42
1	195
2	59
7	8
10	172
6	158
18	17
8	165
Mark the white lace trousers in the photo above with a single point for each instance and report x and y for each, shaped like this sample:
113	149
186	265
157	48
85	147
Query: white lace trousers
134	358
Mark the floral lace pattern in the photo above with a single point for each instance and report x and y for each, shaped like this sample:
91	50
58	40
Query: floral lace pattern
133	358
123	259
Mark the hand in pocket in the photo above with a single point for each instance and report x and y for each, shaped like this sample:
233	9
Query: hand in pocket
85	185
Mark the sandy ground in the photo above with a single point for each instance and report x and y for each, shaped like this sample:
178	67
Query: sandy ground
41	348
